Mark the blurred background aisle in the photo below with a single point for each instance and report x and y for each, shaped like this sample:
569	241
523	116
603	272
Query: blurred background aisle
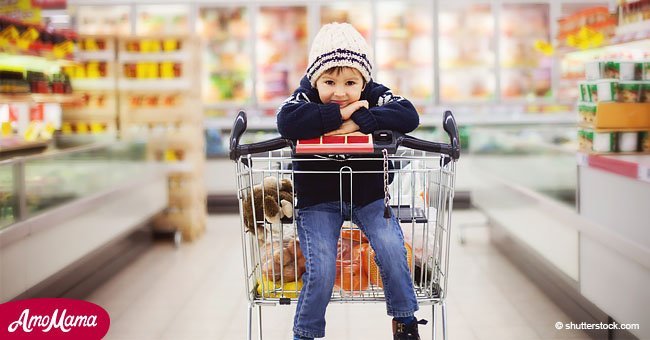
115	119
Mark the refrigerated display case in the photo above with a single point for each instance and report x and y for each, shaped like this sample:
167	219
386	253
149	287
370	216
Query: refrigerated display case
404	49
281	53
466	52
106	20
358	14
525	70
61	209
162	19
226	75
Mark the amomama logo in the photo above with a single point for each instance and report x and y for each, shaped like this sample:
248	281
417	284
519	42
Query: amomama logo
53	318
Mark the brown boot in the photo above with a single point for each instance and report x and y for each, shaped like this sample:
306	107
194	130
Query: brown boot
402	331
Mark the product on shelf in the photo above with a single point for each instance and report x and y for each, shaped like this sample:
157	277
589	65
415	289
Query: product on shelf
608	141
633	11
13	82
24	38
595	19
114	19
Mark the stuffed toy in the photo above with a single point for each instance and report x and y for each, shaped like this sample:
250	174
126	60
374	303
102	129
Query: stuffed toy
282	261
272	202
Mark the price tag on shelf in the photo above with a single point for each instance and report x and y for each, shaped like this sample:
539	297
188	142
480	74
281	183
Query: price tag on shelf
644	173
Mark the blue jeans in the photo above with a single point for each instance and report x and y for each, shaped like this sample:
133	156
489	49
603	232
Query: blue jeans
318	228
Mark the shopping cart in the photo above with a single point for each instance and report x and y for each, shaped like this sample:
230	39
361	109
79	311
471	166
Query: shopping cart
421	196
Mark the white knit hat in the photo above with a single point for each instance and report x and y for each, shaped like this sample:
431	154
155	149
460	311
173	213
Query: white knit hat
338	44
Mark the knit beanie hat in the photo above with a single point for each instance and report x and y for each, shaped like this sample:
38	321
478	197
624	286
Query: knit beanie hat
338	44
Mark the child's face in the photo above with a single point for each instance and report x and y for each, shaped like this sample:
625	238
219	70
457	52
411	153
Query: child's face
341	87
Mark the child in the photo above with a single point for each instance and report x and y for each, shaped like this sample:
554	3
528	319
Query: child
337	96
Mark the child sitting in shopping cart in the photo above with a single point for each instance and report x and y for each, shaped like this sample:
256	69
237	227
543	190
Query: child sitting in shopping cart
338	96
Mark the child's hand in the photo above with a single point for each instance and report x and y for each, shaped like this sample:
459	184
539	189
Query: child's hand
348	126
346	112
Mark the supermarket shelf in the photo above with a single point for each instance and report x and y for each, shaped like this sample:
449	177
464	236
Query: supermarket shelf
161	116
466	68
179	167
107	55
225	105
14	144
157	56
89	115
154	85
40	98
105	84
629	41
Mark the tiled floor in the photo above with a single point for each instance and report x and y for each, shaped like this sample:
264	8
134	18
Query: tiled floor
196	292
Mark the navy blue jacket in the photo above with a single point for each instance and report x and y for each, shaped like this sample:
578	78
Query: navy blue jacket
304	116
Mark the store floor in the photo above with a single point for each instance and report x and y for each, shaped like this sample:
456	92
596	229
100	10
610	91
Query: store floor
197	292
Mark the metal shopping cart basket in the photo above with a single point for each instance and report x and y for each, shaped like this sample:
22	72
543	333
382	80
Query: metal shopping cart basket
421	196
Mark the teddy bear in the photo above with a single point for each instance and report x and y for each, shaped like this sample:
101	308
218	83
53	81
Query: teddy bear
272	202
283	261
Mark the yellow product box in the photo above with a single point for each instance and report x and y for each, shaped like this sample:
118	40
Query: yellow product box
622	116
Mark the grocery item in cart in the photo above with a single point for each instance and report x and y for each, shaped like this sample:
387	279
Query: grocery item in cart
368	258
270	289
272	199
282	261
351	272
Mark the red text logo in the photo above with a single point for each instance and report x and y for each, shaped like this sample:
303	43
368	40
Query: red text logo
53	318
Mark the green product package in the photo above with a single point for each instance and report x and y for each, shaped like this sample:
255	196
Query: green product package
629	92
585	95
587	112
612	69
630	70
645	91
606	90
644	141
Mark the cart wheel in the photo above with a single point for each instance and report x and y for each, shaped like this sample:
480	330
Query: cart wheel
178	238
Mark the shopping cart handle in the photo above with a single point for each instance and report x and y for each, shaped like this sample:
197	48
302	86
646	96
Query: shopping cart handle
452	149
238	128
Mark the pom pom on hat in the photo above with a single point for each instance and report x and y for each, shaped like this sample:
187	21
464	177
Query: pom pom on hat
338	44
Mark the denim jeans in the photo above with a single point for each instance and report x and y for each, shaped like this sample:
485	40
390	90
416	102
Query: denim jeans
318	228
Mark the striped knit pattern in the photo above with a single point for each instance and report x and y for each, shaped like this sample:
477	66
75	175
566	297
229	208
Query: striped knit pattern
339	57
